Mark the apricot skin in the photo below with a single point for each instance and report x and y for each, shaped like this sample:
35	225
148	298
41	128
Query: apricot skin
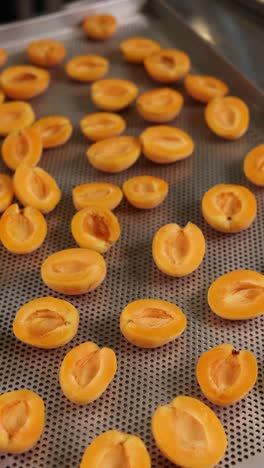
22	146
101	125
6	192
235	117
102	194
254	165
46	52
3	57
204	88
145	192
100	27
24	81
87	68
226	375
54	130
15	116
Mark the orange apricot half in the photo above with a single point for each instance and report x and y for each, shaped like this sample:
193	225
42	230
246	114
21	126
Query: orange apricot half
150	323
46	52
204	88
113	94
226	375
254	165
24	81
163	144
100	27
22	419
145	192
102	194
35	187
22	230
86	371
6	192
116	449
229	207
114	154
178	251
15	116
73	271
228	117
87	68
2	96
54	130
101	125
22	146
237	295
136	49
46	322
167	65
95	227
160	105
189	433
3	56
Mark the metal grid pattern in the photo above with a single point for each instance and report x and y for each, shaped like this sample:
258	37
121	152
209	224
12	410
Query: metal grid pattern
145	378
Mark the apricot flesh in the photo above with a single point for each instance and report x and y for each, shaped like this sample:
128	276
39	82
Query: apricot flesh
101	125
22	419
22	146
95	227
54	130
15	116
167	65
114	154
103	194
100	27
254	165
237	295
189	433
160	105
178	251
24	81
22	230
116	449
229	207
46	52
86	372
136	49
163	144
113	94
150	323
2	96
87	68
226	375
35	187
6	192
3	56
145	192
46	322
73	271
228	117
204	88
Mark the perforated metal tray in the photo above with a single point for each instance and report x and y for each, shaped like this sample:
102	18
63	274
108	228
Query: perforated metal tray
145	378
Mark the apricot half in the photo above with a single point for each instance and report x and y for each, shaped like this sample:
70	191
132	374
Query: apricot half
167	65
227	117
22	230
22	419
15	116
136	49
237	295
95	227
150	323
178	251
204	88
46	52
2	96
46	322
102	194
160	105
229	207
113	94
189	433
6	192
100	27
24	81
87	68
145	191
114	154
116	449
74	271
22	146
86	371
101	125
254	165
35	187
3	56
226	375
54	130
163	144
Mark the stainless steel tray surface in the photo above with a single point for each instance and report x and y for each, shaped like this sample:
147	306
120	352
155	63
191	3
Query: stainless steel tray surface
145	378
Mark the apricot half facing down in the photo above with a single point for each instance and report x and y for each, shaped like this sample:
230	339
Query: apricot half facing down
114	154
237	295
87	68
101	125
178	251
86	371
54	130
227	117
145	192
113	94
226	375
74	271
116	449
229	207
24	81
103	194
6	192
100	27
189	433
22	419
15	116
46	52
22	146
150	323
167	65
136	49
254	165
204	88
160	105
